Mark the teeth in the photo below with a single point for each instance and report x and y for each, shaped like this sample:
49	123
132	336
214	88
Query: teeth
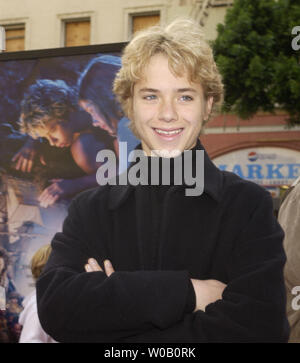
168	132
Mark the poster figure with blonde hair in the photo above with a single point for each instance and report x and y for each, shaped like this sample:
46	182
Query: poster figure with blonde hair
32	332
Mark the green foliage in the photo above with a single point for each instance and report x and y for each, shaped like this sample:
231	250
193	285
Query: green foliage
253	50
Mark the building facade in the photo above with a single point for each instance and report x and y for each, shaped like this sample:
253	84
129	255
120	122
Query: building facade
36	24
263	149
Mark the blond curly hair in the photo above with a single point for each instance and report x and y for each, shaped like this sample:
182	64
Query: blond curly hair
39	260
183	43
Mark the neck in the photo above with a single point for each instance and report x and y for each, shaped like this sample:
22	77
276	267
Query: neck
170	171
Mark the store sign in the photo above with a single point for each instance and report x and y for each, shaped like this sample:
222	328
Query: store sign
2	39
262	165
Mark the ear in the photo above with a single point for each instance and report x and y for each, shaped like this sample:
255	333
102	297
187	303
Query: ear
208	108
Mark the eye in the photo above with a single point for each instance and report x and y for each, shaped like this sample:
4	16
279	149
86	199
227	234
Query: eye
149	97
186	98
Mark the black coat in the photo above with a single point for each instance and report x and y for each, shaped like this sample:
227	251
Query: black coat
228	233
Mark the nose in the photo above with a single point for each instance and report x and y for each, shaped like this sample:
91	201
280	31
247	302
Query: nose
167	111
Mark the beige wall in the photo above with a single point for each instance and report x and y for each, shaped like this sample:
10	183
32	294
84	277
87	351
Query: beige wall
110	19
216	16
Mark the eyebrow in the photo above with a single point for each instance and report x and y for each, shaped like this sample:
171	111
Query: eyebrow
179	90
152	90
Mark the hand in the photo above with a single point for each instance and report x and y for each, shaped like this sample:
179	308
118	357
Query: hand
93	266
207	292
58	189
25	156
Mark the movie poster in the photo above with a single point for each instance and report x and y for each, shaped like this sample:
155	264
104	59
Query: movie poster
56	114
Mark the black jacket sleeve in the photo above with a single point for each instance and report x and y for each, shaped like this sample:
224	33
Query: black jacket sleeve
253	305
76	306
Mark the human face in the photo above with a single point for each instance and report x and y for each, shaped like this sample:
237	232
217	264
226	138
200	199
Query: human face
97	116
59	134
168	111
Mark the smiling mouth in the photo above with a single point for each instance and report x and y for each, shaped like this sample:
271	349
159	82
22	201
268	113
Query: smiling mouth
171	132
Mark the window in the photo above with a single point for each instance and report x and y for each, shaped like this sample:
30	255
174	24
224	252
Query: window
77	32
221	2
15	37
140	22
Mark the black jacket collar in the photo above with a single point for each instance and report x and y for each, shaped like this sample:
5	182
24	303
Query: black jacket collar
213	180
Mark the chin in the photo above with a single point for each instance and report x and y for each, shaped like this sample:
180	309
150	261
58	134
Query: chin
166	151
173	153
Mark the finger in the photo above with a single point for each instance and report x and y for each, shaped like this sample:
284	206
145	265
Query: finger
45	197
15	157
50	200
42	160
88	268
44	203
19	163
108	268
56	186
94	265
53	199
50	190
29	165
24	165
